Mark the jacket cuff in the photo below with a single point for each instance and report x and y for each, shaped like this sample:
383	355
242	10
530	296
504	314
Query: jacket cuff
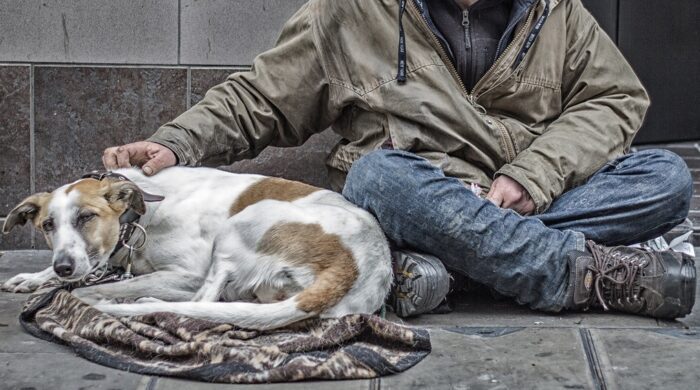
171	138
538	196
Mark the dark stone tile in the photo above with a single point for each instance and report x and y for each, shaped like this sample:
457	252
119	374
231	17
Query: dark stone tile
19	238
14	136
205	78
605	12
82	110
305	163
659	40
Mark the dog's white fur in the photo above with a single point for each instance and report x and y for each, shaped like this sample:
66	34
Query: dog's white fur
197	255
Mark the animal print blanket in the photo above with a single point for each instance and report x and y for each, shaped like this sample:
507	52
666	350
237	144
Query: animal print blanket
351	347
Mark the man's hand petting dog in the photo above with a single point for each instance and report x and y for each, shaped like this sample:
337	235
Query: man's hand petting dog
150	156
509	194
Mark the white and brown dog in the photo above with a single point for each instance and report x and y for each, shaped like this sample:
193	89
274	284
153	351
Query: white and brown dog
255	251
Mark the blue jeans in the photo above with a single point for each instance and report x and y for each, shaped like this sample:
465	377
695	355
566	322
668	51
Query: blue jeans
631	199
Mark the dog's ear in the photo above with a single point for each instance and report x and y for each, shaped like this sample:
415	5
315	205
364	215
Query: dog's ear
123	194
27	210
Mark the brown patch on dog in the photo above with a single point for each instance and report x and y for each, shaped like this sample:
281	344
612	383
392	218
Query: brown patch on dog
332	263
271	188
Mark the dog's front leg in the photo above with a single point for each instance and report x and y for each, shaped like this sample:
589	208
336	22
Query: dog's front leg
169	286
28	282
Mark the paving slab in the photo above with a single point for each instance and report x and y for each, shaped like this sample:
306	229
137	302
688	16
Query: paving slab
481	310
60	371
177	384
643	359
523	359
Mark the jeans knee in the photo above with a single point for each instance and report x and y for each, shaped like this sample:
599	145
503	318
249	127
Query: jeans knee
673	178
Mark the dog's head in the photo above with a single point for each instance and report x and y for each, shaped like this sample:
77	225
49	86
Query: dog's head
80	221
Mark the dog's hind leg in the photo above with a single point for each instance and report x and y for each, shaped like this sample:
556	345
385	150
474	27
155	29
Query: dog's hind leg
170	286
231	259
213	285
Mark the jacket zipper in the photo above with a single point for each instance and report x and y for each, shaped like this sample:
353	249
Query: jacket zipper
450	66
510	46
467	32
471	97
441	51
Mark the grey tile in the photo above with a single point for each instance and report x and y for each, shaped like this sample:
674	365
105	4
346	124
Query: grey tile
477	309
14	135
230	32
103	31
693	162
14	338
527	359
305	163
641	359
177	384
82	110
693	319
694	216
14	262
60	371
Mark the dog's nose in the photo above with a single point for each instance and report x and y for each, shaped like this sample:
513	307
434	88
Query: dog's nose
63	266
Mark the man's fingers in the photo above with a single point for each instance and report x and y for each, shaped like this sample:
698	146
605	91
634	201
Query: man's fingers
495	196
109	158
123	157
161	159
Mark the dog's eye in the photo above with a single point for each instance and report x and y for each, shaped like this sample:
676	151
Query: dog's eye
84	217
47	225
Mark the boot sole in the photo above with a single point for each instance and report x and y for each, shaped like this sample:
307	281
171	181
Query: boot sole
413	293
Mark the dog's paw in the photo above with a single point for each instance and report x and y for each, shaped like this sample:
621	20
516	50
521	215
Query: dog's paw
24	283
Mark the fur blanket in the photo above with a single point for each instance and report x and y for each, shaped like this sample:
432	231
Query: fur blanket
352	347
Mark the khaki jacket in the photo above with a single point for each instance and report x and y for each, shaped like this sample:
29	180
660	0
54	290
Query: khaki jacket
572	104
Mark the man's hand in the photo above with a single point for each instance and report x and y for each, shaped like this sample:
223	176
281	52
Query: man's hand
150	156
509	194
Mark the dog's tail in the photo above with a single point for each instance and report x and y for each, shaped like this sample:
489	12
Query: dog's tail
247	315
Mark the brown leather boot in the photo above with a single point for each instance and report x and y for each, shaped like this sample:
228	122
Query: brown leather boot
656	284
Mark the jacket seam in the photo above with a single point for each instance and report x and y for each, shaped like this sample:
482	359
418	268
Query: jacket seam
362	92
540	82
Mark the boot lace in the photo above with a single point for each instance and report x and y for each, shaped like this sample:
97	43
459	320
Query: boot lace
616	272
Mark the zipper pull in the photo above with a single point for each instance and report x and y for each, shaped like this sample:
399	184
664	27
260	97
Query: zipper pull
465	25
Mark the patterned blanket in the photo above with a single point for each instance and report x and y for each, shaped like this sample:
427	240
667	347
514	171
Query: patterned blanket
351	347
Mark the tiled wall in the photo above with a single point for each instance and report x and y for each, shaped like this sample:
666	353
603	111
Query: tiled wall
79	76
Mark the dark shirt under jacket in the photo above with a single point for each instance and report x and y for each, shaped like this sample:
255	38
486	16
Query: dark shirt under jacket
473	34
